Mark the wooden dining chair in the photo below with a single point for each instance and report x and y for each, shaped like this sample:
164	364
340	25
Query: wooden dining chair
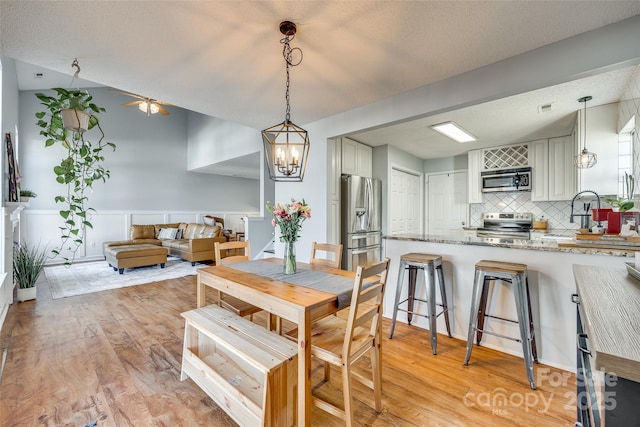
341	343
222	250
328	249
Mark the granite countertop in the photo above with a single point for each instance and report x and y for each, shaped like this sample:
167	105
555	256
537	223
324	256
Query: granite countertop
548	245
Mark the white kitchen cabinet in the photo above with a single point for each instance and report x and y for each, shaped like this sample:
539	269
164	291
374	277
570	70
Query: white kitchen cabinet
356	158
539	162
475	166
333	190
563	176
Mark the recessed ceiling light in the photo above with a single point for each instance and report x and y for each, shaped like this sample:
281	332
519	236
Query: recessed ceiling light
454	132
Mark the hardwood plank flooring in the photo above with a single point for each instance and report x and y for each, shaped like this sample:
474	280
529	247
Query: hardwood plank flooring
114	357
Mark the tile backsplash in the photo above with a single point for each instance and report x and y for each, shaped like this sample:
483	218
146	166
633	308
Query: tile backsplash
557	213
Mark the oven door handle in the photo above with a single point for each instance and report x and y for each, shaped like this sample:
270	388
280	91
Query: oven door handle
498	235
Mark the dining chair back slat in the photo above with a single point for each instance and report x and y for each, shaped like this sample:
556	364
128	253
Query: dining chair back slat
222	252
329	249
233	304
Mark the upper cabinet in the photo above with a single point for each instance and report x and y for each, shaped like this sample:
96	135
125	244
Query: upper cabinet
562	172
356	158
505	157
539	162
475	166
553	175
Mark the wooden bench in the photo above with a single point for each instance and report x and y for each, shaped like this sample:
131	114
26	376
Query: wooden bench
249	371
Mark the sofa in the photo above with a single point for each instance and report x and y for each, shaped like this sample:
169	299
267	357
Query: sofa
191	242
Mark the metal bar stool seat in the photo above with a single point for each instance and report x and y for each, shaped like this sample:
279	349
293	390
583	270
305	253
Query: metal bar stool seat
429	264
515	274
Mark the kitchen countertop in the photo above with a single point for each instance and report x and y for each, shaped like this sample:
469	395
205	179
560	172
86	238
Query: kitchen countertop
548	245
610	300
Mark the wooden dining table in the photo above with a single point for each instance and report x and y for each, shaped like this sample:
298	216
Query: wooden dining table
295	303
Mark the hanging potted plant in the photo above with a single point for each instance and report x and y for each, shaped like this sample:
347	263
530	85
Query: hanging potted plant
74	106
80	169
74	117
28	263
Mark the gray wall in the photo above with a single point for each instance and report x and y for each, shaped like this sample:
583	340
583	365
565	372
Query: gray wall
9	114
446	164
148	168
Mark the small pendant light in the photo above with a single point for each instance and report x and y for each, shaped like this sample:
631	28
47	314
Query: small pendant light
585	159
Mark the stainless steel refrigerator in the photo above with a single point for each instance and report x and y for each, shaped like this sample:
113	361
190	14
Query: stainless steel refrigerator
361	230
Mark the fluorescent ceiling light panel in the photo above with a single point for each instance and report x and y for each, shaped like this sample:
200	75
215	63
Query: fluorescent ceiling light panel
454	132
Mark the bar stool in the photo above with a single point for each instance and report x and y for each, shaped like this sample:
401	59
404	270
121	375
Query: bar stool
429	264
515	274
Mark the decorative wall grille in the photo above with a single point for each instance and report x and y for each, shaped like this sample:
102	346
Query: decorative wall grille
513	156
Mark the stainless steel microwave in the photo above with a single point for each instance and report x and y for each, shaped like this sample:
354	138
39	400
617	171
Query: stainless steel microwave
518	179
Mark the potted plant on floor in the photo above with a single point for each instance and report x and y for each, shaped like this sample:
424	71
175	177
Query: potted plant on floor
28	263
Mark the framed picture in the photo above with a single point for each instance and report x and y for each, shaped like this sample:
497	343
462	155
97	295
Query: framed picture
13	181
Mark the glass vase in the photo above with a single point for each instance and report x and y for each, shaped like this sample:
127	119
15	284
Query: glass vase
289	266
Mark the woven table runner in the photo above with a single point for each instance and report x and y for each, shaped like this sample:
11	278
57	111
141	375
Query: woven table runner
314	279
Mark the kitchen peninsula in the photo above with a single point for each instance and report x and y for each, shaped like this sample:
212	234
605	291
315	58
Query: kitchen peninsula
551	284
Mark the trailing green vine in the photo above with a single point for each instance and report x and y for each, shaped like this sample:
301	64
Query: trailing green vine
82	167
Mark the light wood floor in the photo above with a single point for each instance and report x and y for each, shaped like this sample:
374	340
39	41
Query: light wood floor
114	357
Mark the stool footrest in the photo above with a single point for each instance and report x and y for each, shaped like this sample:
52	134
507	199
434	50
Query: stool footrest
500	318
424	315
484	331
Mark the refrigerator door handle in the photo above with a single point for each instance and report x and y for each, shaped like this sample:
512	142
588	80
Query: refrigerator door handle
369	193
359	236
361	251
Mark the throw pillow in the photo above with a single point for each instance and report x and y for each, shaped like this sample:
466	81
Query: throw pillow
168	233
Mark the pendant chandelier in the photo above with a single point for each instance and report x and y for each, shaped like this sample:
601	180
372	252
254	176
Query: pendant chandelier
585	159
286	146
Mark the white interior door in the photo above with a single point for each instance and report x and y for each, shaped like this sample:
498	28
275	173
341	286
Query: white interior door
447	207
406	200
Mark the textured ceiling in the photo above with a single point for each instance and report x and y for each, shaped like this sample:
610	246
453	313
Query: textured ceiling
223	58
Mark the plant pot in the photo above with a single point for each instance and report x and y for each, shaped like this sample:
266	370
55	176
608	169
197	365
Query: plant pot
26	294
24	199
75	120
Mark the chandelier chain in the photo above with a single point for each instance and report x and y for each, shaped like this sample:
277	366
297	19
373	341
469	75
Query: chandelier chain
287	53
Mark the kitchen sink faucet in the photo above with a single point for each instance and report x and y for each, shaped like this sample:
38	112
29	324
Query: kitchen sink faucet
584	220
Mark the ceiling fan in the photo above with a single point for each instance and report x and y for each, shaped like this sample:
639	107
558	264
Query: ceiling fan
145	104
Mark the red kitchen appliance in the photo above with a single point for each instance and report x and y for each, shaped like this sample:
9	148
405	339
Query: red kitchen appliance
600	214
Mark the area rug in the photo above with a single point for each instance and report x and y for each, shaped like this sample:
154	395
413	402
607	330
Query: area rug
88	277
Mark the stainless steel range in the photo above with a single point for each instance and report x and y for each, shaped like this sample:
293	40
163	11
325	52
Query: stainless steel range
506	225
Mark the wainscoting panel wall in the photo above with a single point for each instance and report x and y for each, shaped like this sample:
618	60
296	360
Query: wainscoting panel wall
42	227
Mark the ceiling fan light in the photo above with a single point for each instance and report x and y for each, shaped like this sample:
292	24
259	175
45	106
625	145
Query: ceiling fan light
148	107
